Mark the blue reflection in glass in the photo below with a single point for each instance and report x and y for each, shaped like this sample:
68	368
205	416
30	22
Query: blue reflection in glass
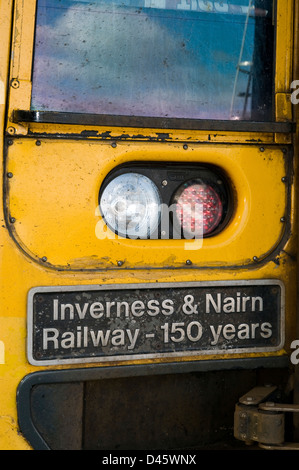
162	58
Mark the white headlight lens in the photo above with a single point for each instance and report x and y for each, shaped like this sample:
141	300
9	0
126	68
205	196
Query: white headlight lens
130	205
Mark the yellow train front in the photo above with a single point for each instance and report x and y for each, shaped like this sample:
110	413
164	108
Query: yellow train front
149	224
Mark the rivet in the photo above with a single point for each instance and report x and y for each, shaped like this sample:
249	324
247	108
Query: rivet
283	219
120	263
15	83
113	144
255	259
11	130
185	147
12	220
38	143
164	183
9	175
262	149
188	262
284	179
44	259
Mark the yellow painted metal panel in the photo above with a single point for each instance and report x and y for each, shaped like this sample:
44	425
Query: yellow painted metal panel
12	330
284	45
47	183
53	199
283	106
21	61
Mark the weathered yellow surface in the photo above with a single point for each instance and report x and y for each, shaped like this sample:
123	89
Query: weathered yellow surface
53	197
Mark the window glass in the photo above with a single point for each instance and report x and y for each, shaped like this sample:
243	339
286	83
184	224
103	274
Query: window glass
162	58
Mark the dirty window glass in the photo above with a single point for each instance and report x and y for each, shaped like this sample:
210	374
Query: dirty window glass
162	58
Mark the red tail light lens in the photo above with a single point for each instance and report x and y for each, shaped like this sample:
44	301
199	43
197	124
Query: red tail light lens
198	209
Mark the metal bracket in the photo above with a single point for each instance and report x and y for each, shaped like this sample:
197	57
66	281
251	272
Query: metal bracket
260	421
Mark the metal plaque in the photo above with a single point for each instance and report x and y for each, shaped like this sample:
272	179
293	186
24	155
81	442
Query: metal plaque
80	324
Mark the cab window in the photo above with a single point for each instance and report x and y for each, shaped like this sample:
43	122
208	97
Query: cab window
164	58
